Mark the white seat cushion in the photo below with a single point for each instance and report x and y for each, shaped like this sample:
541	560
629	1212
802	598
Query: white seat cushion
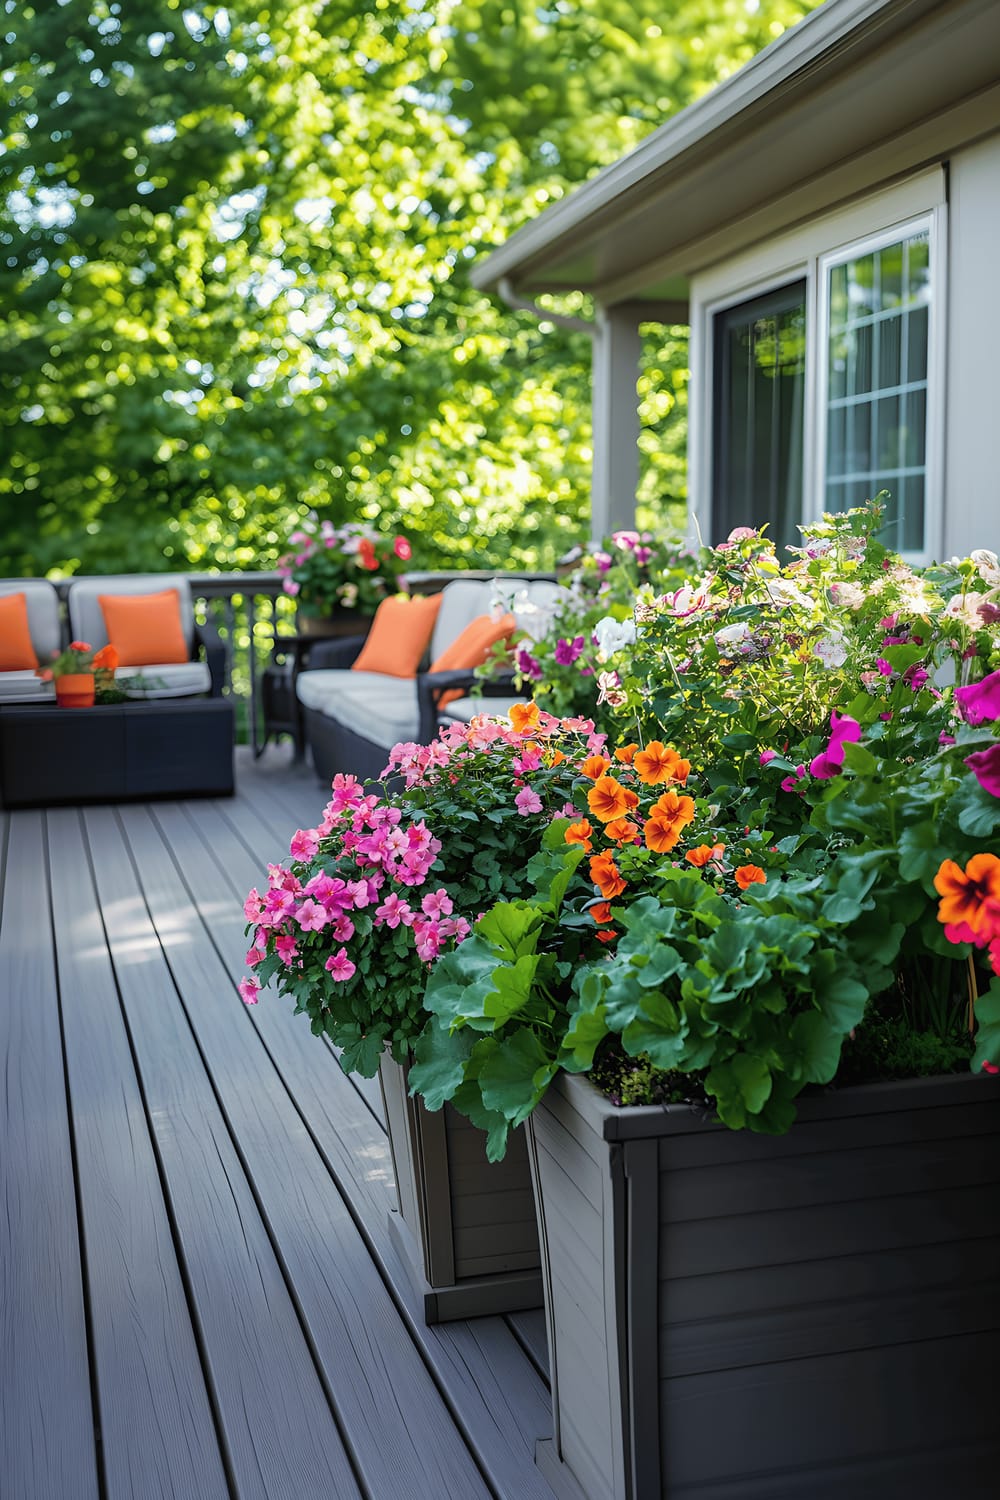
380	708
24	687
467	708
174	679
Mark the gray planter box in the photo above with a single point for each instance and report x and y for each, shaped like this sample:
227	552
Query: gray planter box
466	1227
741	1317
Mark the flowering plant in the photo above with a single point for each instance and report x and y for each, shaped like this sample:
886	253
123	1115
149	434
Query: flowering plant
387	883
78	656
342	567
563	660
780	881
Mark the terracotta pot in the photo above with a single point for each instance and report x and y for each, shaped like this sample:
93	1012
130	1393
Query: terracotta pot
75	690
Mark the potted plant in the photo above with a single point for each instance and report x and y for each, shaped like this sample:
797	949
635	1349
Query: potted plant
777	1277
340	574
76	672
386	883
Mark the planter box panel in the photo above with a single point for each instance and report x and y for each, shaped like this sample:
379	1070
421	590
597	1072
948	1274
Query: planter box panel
965	1471
565	1156
924	1269
835	1327
830	1176
862	1226
799	1417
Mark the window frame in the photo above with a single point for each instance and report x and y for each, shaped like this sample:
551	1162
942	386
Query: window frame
808	253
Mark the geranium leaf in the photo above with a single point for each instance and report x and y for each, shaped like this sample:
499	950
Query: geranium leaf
438	1068
816	1045
586	1031
516	1075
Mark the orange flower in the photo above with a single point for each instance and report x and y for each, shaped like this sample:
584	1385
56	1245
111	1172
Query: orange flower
622	831
601	912
971	897
659	762
660	835
606	875
524	717
554	758
579	833
106	658
748	875
704	853
625	753
594	766
673	808
605	936
608	799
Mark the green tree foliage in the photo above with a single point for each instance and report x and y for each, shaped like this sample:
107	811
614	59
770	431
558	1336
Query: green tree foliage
234	245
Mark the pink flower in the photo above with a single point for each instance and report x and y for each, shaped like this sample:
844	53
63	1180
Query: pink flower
884	667
767	755
342	930
437	904
253	906
979	703
347	792
340	966
791	782
392	912
527	801
286	948
402	549
312	917
256	956
985	766
843	730
304	843
249	990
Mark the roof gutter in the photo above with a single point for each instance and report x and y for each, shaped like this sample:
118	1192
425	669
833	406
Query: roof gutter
513	298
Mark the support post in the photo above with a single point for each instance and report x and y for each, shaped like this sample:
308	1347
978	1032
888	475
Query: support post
615	404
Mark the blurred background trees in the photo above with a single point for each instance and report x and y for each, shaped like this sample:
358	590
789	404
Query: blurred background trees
234	252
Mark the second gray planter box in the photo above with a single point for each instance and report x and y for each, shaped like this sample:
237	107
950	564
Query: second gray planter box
466	1226
741	1317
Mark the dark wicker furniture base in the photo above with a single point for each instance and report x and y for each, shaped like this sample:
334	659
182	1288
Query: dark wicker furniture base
51	755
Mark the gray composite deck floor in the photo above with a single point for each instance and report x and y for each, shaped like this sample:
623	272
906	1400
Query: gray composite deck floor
199	1297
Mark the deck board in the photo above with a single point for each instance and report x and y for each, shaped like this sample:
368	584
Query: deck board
148	1371
229	1317
47	1442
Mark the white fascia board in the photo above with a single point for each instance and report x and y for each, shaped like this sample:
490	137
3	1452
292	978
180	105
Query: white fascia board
824	35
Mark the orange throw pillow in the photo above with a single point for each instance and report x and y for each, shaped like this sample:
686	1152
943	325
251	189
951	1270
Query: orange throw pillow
400	634
471	648
145	629
17	654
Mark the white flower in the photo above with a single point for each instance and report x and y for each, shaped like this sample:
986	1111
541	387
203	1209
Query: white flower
609	689
965	609
612	636
847	595
731	636
786	594
831	650
987	566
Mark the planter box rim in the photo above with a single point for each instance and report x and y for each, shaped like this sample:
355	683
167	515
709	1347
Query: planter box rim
639	1121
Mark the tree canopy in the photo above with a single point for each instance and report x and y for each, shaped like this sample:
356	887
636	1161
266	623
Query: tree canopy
234	252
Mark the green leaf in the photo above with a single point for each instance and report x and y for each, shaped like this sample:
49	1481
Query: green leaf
980	815
741	1087
509	928
438	1068
360	1051
468	1100
860	760
513	984
516	1075
587	1029
920	853
816	1045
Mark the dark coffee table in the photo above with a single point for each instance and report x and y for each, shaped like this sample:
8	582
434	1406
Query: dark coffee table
165	748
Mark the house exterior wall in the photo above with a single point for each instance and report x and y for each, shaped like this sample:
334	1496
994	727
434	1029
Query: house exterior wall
972	449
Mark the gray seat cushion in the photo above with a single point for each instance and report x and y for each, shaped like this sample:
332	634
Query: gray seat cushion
24	687
175	679
383	709
467	708
86	619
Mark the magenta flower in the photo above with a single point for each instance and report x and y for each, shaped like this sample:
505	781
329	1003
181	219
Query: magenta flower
527	801
256	955
566	652
642	555
884	667
979	703
767	755
843	730
253	906
791	782
985	766
286	948
527	664
249	990
339	966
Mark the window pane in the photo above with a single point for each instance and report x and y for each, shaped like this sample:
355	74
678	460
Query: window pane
876	427
758	414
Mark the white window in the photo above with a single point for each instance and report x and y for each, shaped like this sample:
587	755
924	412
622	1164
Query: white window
819	383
